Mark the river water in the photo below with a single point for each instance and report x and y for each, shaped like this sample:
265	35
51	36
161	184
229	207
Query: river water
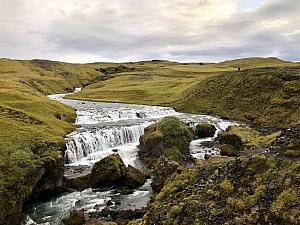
105	128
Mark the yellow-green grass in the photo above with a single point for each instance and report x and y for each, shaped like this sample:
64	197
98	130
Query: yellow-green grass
264	97
251	137
164	82
32	126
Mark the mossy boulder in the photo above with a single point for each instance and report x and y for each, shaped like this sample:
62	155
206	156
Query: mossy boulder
204	130
25	176
109	171
163	170
229	144
134	177
76	217
170	138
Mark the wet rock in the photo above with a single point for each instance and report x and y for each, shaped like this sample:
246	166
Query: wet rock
204	130
76	217
134	177
109	171
119	216
109	203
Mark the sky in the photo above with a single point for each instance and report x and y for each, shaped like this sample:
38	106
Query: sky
132	30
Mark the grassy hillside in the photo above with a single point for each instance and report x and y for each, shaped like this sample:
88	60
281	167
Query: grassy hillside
33	127
163	82
264	97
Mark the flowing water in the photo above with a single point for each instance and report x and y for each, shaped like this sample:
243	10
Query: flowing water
106	128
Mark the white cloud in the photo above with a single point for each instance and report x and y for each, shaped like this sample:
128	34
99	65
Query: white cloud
123	30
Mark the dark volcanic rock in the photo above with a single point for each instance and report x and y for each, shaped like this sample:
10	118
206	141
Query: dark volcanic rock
163	170
204	130
109	171
229	144
288	143
134	177
76	217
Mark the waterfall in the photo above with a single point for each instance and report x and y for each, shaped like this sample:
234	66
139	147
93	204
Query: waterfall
84	142
109	113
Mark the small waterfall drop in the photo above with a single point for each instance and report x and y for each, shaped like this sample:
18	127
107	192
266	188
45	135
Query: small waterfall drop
84	142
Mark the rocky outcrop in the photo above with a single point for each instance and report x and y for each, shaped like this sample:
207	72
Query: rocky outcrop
116	69
76	217
169	138
109	171
119	216
204	130
255	189
288	143
229	144
30	180
163	170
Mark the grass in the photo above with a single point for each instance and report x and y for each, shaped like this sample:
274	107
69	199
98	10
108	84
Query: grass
163	82
27	115
33	126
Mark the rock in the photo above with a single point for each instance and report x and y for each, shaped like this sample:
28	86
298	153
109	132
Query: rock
134	177
207	156
163	170
93	221
228	150
169	138
229	144
119	216
109	171
76	217
109	203
117	69
105	212
204	130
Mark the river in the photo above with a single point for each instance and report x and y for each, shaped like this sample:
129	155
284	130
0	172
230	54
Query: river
105	128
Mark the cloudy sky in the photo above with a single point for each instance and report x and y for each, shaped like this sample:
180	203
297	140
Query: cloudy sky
131	30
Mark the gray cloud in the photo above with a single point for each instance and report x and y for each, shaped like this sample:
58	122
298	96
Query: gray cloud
125	30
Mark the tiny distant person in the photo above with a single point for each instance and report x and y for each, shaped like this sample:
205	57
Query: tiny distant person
239	68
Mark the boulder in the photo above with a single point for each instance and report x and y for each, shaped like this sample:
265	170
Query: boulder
163	170
229	144
134	177
204	130
76	217
109	171
170	138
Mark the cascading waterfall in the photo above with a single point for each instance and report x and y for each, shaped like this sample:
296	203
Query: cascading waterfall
85	141
96	115
105	128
